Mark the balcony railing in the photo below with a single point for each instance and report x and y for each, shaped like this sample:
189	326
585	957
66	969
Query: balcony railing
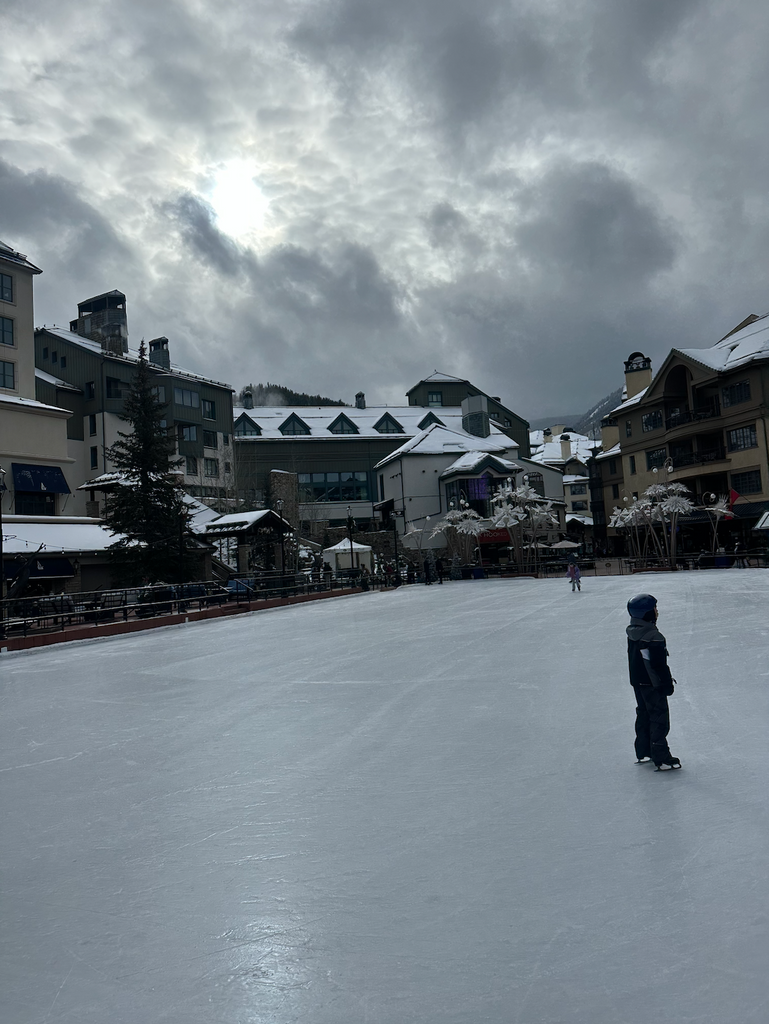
698	458
705	412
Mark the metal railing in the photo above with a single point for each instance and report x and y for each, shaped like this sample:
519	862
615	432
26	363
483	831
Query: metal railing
679	419
698	458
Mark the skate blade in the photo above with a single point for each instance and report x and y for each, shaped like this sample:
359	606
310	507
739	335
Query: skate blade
667	767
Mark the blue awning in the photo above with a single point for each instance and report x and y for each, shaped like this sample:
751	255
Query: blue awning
39	479
41	568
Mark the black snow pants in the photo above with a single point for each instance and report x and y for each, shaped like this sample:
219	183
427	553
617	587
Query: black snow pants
652	724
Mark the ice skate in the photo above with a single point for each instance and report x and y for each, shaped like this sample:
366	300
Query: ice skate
668	764
644	760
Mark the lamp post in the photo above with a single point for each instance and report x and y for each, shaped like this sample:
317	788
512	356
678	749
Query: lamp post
279	507
350	528
2	567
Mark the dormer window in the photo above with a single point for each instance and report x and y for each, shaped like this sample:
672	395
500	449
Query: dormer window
245	427
429	419
388	425
343	425
293	425
435	398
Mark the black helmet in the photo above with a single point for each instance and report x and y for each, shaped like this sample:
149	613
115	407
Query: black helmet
640	605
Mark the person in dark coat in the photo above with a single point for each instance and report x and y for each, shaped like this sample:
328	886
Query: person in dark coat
426	567
651	681
439	569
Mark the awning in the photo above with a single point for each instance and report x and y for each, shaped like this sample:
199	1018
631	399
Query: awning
41	568
39	479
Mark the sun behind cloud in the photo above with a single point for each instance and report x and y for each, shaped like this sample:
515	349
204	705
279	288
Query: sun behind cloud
238	202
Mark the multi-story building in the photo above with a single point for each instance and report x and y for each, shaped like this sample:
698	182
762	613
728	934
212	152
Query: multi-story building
701	420
89	370
440	390
40	470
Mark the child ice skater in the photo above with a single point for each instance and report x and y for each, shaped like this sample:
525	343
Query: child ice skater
575	576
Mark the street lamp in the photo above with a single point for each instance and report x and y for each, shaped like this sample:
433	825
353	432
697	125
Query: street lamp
350	528
279	507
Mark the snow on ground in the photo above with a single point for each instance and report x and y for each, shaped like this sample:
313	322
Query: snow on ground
417	806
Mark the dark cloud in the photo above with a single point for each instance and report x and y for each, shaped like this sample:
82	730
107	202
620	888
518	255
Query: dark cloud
197	227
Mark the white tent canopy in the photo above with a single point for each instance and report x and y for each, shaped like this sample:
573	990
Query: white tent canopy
338	556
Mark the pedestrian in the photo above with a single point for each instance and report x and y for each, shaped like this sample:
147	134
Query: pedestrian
739	555
439	569
575	576
426	567
652	683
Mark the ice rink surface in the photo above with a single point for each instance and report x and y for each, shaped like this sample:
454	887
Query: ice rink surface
417	806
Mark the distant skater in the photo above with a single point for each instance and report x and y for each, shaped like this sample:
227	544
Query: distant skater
439	569
426	567
573	574
652	683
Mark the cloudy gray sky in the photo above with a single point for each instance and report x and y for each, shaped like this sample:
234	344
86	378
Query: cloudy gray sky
349	194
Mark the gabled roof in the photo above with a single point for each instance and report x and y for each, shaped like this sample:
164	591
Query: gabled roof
336	425
437	440
477	462
293	419
391	420
736	349
430	418
439	378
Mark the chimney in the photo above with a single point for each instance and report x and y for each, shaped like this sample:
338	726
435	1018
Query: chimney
565	447
248	400
609	432
360	400
159	355
475	416
638	373
103	319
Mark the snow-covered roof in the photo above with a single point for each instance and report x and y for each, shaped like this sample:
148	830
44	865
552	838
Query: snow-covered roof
33	406
200	515
62	385
574	478
736	350
580	517
344	545
7	253
319	420
239	522
468	462
550	453
436	440
128	357
57	534
629	402
610	453
442	378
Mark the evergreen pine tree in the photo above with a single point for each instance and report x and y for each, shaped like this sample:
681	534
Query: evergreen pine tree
147	507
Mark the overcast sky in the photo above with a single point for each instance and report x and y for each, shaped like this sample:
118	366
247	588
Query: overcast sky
344	195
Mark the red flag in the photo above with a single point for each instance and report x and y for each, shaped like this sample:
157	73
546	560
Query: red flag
733	496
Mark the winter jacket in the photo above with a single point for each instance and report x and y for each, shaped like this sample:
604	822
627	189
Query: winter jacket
648	657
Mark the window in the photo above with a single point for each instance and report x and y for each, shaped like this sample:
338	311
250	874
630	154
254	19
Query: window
293	425
247	428
388	425
209	409
347	485
381	486
656	458
90	388
628	428
188	432
45	353
6	331
615	490
92	424
32	503
742	437
579	506
632	465
537	483
651	420
612	465
343	425
430	418
748	482
225	439
435	398
228	467
210	467
6	288
507	422
494	415
54	357
159	391
115	387
189	398
7	374
209	439
94	457
63	362
191	467
578	488
736	393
